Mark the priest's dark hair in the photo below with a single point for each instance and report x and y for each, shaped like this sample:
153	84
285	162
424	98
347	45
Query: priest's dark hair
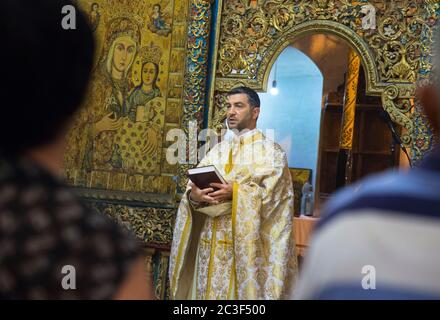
253	98
45	71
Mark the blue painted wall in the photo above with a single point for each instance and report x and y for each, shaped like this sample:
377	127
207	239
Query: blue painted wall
295	112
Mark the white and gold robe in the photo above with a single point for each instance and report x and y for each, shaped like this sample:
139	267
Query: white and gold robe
242	249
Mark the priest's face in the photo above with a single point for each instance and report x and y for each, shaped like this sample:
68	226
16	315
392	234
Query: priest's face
240	114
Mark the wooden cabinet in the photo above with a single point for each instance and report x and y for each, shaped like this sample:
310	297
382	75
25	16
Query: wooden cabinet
373	148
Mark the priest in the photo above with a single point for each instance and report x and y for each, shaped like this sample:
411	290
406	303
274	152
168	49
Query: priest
235	240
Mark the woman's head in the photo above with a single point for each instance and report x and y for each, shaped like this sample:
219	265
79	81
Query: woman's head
121	45
122	54
150	72
156	8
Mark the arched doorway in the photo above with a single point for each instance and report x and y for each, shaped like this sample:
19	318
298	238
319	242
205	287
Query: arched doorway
308	111
294	113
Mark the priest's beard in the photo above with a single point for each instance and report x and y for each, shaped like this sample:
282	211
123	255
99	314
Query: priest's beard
241	125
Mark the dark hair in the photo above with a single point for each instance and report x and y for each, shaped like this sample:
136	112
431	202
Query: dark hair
253	98
46	71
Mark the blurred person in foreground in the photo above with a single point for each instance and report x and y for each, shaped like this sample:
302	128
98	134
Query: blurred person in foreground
52	246
379	239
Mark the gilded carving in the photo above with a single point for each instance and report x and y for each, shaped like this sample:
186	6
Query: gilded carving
196	74
398	107
153	226
394	54
161	275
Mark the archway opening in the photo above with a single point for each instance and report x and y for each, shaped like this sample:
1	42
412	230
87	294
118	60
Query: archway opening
307	116
294	112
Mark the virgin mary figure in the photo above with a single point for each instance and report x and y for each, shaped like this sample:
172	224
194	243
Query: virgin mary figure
107	101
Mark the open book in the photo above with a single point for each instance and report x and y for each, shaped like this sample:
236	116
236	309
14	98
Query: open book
202	177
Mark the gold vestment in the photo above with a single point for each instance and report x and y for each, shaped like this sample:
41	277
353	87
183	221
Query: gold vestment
242	249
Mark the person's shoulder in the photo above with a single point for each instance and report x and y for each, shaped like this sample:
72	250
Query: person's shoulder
91	218
375	192
93	242
49	224
46	197
68	209
40	198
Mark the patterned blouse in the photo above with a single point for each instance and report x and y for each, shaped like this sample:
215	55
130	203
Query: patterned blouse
52	246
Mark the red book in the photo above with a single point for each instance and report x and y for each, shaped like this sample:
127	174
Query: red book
202	177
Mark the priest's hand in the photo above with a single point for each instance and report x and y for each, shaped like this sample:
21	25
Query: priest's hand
199	195
223	194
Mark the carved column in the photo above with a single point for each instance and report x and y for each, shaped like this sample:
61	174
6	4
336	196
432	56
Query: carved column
149	268
196	75
345	159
